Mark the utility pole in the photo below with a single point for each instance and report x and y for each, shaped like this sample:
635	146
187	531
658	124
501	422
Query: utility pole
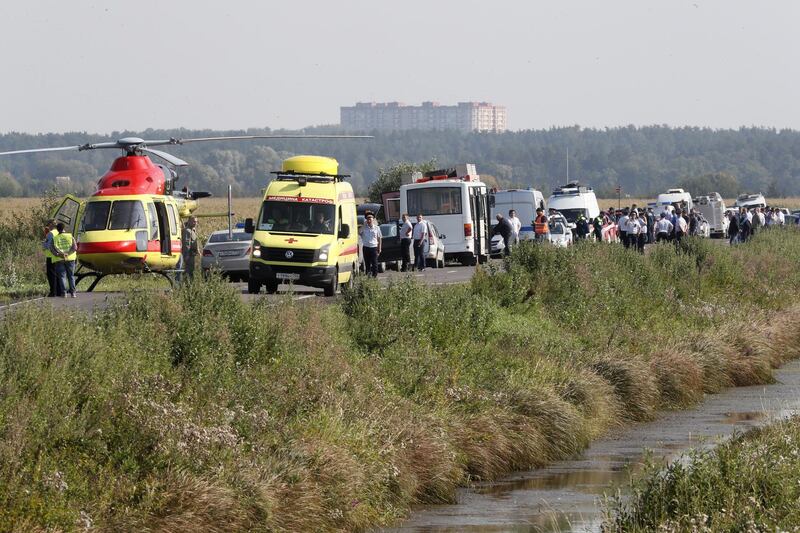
230	213
567	164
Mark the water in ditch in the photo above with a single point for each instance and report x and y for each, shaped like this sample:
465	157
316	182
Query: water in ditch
566	496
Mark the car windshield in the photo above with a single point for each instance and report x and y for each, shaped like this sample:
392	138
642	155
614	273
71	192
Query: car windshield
95	216
297	217
572	214
127	214
557	227
389	230
435	201
238	236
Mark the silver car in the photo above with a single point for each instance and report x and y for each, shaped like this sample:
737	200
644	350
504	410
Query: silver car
230	257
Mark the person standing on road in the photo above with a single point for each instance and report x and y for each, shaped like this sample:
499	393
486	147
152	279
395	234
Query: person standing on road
371	244
597	226
516	226
733	227
756	222
641	236
504	229
650	218
406	230
420	236
635	232
189	246
67	250
745	225
663	228
622	222
50	232
681	227
582	226
540	226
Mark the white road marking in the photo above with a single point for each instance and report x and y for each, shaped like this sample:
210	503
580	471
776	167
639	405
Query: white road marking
452	271
23	302
303	297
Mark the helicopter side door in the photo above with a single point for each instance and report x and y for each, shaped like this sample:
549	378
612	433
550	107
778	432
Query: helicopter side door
163	228
153	242
68	212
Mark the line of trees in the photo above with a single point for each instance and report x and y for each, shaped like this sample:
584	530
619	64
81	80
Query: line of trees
643	160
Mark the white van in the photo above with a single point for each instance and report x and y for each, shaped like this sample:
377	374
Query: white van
712	207
523	201
457	202
750	201
573	199
674	197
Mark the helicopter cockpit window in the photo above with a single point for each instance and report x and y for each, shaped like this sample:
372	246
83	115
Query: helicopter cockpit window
95	216
127	214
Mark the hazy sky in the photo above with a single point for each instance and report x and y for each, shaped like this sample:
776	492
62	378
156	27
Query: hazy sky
101	66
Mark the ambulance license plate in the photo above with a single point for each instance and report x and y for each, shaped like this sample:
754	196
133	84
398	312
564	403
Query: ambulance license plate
287	276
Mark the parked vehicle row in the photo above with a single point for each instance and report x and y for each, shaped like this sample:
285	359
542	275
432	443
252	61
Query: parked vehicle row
391	256
307	228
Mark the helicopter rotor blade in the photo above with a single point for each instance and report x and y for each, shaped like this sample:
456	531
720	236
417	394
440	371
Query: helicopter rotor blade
169	158
35	150
79	148
252	137
132	143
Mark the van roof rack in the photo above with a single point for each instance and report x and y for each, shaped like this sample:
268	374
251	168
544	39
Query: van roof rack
572	187
291	175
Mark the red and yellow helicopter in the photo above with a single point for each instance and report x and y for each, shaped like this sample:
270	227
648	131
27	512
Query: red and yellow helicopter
132	223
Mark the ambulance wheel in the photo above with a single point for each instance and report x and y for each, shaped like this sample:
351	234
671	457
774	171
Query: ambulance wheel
271	288
253	286
333	287
350	282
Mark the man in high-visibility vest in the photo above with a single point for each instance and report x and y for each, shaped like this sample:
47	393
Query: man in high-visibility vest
540	227
67	250
50	231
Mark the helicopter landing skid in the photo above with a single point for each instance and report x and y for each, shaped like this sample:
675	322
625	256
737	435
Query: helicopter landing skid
98	276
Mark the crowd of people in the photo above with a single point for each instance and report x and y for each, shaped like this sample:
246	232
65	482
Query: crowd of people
636	227
747	222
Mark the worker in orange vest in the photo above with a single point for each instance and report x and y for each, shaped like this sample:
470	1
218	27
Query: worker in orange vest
540	228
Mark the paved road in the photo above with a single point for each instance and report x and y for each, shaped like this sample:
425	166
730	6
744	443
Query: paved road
91	301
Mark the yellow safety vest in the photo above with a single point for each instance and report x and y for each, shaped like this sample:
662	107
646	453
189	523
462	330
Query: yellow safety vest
47	253
63	242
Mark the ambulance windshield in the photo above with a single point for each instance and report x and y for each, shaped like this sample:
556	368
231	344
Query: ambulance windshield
297	217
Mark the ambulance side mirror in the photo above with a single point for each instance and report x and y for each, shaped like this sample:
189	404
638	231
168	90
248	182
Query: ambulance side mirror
344	232
249	227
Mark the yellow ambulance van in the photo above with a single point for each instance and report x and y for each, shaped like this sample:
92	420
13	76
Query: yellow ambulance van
305	232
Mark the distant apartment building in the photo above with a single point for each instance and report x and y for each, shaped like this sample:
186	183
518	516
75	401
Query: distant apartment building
392	116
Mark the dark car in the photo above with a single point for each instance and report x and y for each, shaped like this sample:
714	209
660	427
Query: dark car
391	253
361	210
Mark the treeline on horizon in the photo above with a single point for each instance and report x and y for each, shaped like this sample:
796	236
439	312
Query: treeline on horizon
642	160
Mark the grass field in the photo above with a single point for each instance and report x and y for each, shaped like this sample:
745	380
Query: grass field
194	410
